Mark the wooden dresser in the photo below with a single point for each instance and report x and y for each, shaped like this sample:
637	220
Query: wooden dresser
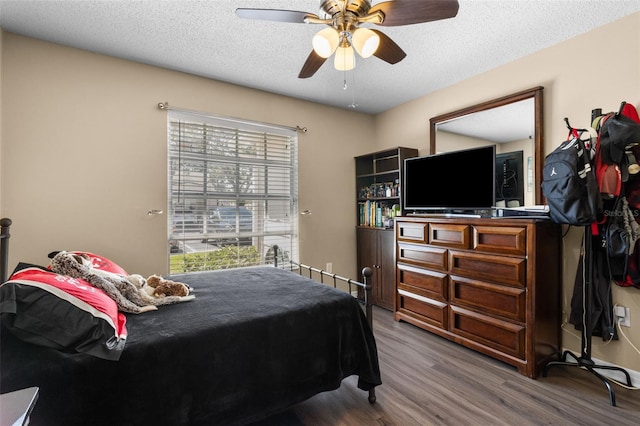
493	285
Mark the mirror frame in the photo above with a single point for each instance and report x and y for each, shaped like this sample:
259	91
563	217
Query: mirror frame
536	94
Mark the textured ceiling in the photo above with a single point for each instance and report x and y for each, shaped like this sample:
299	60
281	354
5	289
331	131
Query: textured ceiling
206	38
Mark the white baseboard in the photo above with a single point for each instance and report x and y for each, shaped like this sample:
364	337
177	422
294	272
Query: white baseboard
613	374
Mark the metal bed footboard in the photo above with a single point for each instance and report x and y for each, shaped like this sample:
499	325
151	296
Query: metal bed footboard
366	287
310	270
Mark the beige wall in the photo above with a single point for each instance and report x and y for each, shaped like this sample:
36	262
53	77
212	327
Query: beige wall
84	155
83	147
595	70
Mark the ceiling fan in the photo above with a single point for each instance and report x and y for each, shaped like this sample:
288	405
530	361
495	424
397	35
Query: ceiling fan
344	32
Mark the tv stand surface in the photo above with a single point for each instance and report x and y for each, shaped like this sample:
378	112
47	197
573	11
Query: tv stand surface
449	215
454	213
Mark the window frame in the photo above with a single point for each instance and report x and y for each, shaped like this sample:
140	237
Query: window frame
219	170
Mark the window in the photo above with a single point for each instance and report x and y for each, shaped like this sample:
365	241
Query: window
233	192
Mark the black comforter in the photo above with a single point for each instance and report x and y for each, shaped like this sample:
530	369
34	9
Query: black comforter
254	342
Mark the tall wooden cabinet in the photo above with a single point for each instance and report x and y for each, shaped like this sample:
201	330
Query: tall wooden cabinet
379	200
492	285
375	249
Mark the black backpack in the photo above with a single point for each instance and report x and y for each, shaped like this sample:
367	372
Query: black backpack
569	184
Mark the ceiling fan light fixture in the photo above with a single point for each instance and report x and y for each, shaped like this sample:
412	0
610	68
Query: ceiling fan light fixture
344	17
365	41
344	59
325	42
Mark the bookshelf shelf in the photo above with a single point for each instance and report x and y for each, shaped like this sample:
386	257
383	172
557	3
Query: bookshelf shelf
378	201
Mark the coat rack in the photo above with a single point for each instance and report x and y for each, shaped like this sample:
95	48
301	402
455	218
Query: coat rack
584	361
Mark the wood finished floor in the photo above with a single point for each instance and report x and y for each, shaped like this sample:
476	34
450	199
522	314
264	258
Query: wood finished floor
428	380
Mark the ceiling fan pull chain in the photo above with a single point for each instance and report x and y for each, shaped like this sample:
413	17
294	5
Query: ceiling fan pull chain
353	91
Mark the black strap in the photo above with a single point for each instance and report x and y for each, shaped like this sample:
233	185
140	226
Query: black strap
621	107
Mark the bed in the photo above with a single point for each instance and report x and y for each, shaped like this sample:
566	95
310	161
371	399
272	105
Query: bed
254	342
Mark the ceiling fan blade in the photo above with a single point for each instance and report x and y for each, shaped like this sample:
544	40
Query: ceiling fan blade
407	12
388	50
311	65
277	15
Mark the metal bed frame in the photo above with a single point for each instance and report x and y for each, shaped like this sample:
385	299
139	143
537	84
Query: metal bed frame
366	300
365	286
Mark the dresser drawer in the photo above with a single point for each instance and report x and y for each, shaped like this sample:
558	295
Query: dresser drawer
412	232
425	283
429	257
503	336
450	235
430	311
506	239
505	301
500	269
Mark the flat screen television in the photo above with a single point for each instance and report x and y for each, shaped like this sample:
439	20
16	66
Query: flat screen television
451	182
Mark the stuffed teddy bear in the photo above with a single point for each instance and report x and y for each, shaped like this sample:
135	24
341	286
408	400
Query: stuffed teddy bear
128	291
161	287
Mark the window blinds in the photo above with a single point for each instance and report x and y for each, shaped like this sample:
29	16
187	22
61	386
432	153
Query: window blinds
233	192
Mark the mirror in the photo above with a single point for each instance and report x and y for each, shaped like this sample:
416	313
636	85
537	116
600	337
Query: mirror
514	124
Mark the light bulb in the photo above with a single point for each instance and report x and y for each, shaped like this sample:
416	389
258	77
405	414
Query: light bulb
365	41
325	42
344	59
